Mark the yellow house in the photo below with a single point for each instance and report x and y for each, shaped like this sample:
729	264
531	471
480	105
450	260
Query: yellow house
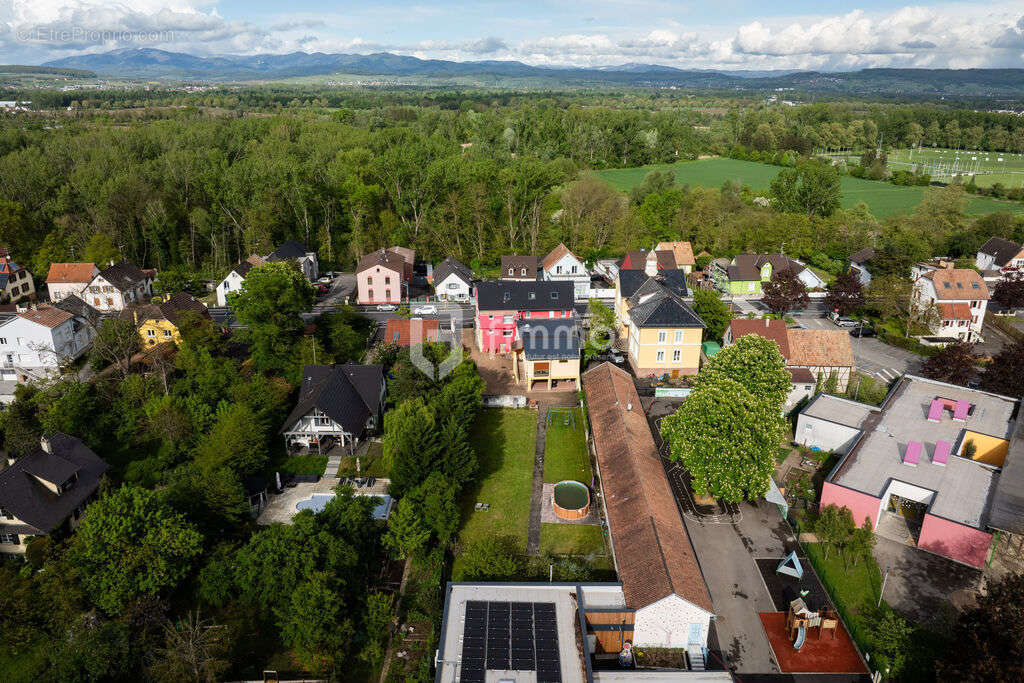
549	351
158	323
659	331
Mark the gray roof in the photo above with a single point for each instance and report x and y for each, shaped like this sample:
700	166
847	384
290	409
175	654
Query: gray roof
1002	250
747	267
518	262
1007	512
550	339
290	249
655	305
123	275
451	266
862	256
963	488
28	499
348	394
839	410
75	306
631	280
523	295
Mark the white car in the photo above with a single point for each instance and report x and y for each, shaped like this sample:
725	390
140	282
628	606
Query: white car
325	280
387	307
424	310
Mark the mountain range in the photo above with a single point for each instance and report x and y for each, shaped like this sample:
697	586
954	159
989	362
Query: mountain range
154	63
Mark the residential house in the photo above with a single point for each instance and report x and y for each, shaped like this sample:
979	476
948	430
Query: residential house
118	287
338	404
16	282
291	250
859	264
1000	259
549	353
526	268
664	256
958	295
67	279
562	264
383	276
159	322
35	343
47	490
938	465
658	329
453	281
744	274
501	304
663	588
406	332
811	355
232	282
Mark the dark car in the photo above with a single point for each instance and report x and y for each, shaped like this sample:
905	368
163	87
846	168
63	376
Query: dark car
862	331
321	289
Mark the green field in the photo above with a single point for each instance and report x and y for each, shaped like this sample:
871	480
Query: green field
565	451
504	444
992	167
882	198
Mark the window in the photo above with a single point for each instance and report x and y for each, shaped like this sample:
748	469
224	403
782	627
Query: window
11	539
387	295
369	295
453	285
558	270
532	296
507	297
3	340
387	280
96	301
322	421
507	333
369	281
661	355
5	513
227	285
551	314
679	336
677	356
167	333
523	272
507	320
110	302
150	333
662	335
554	296
575	269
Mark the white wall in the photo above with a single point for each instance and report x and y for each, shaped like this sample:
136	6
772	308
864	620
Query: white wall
232	283
828	436
460	292
29	345
666	623
61	290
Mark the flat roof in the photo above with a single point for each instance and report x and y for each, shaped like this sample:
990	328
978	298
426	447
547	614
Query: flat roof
963	488
839	410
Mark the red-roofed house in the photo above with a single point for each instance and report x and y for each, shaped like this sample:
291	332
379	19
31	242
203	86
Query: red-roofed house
35	343
960	296
383	276
404	332
562	264
15	281
65	279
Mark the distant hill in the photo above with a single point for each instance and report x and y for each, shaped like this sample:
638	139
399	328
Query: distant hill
45	70
152	63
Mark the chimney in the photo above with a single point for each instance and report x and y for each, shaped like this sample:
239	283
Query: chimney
44	443
651	266
767	322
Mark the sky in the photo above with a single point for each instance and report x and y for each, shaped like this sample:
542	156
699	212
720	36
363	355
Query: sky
719	34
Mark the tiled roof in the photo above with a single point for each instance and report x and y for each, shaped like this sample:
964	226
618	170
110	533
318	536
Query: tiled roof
631	280
958	283
173	309
682	252
525	295
1002	250
550	339
290	249
769	329
123	275
389	258
825	348
70	272
398	331
801	376
661	308
452	266
747	267
555	255
958	311
517	263
862	256
653	553
348	394
47	316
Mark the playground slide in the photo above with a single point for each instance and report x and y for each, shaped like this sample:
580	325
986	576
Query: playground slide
801	636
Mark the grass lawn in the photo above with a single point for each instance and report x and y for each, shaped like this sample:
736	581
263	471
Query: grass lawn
575	539
565	450
504	442
883	199
373	464
853	589
304	464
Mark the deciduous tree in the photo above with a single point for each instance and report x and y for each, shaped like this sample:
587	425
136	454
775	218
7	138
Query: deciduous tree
989	637
954	364
756	363
1005	374
845	294
785	291
713	311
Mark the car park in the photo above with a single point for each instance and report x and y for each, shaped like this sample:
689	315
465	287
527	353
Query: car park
841	321
425	310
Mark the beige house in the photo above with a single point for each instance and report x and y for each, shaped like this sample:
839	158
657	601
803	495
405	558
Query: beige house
548	352
660	332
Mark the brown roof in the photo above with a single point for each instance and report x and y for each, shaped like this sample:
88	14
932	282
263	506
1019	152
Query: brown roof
555	255
652	549
769	329
398	331
681	251
173	308
959	311
389	258
801	376
825	348
70	272
517	263
47	315
958	283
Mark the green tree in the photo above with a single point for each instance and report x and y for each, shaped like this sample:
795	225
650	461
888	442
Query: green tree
377	625
270	305
755	362
406	532
726	437
713	311
313	623
835	527
101	250
812	188
194	649
129	545
955	364
785	291
410	443
436	499
116	342
1005	374
891	638
494	558
236	442
602	329
989	637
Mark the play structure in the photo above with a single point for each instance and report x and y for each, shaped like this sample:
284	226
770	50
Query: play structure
568	418
800	619
790	566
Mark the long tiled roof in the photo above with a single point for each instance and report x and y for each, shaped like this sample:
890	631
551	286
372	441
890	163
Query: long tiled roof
653	553
555	255
958	283
1001	249
825	348
80	273
452	266
389	258
550	339
398	331
682	252
517	263
123	275
769	329
525	295
631	280
48	316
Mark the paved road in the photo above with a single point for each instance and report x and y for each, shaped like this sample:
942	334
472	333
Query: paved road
871	356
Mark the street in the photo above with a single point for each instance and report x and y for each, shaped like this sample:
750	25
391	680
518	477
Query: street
871	356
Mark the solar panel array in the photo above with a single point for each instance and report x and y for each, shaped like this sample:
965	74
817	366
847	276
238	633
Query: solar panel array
510	636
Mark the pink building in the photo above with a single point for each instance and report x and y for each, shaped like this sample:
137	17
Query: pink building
501	304
383	276
926	465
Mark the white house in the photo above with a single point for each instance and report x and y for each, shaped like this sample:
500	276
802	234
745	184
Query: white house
119	286
453	281
337	404
1000	259
234	279
859	264
35	343
562	264
959	295
291	250
67	279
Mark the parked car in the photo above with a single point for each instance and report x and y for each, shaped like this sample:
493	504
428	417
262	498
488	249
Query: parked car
842	321
387	307
615	356
325	280
321	289
429	309
862	331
